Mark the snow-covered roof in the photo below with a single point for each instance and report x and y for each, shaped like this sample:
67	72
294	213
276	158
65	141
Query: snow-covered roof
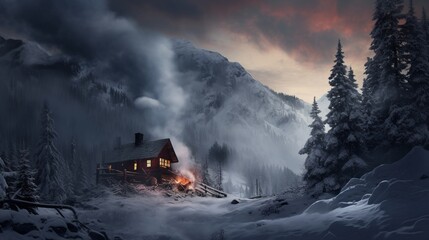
148	149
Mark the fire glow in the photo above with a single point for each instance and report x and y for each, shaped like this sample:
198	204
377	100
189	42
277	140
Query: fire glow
186	179
182	181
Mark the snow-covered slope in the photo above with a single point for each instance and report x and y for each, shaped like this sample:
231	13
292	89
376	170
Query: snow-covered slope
323	103
228	105
390	202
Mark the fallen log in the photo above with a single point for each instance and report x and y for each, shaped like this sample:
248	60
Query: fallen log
26	204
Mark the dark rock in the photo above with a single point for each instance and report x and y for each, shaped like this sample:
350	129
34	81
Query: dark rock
5	223
424	176
72	227
96	236
60	230
235	201
24	228
284	203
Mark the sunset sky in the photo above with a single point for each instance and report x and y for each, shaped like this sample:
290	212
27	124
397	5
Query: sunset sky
287	45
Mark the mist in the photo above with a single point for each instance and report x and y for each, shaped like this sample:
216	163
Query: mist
104	77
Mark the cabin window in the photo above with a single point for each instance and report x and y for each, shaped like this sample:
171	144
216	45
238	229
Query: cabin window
148	163
135	166
110	167
164	163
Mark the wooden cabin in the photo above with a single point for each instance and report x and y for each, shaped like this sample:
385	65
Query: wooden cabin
150	158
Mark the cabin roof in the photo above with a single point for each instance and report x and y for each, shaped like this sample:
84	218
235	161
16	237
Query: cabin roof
148	149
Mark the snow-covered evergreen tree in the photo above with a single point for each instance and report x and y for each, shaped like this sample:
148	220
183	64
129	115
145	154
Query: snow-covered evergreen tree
368	88
408	122
315	150
386	78
218	154
3	183
27	189
343	140
205	175
81	179
48	162
219	176
425	28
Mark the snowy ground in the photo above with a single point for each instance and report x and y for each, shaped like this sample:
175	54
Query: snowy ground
390	202
156	216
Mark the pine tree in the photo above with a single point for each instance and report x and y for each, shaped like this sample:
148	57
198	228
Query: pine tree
386	81
25	184
12	165
219	177
315	150
3	183
219	154
425	28
205	174
48	161
368	88
408	122
343	140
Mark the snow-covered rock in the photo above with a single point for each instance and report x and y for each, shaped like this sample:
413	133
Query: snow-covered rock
389	202
47	225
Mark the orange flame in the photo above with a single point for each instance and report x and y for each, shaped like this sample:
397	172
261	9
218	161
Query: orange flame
182	180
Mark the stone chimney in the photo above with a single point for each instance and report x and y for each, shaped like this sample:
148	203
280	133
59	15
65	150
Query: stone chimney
138	139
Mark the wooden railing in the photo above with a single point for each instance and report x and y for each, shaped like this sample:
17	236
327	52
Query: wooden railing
208	190
125	175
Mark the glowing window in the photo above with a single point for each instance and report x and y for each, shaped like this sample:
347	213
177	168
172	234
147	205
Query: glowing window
148	163
135	166
164	163
110	167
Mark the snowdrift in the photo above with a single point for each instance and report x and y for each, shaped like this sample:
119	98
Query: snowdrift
390	202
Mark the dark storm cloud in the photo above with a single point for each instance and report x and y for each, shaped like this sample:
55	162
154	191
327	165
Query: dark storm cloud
88	30
307	30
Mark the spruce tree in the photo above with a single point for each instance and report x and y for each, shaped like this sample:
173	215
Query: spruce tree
205	174
48	162
367	105
81	179
343	140
3	183
384	73
315	150
425	28
25	185
411	117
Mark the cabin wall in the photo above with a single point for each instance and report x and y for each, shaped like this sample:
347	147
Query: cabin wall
167	153
155	169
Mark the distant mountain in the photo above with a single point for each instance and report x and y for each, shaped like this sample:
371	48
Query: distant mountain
323	103
225	104
228	105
